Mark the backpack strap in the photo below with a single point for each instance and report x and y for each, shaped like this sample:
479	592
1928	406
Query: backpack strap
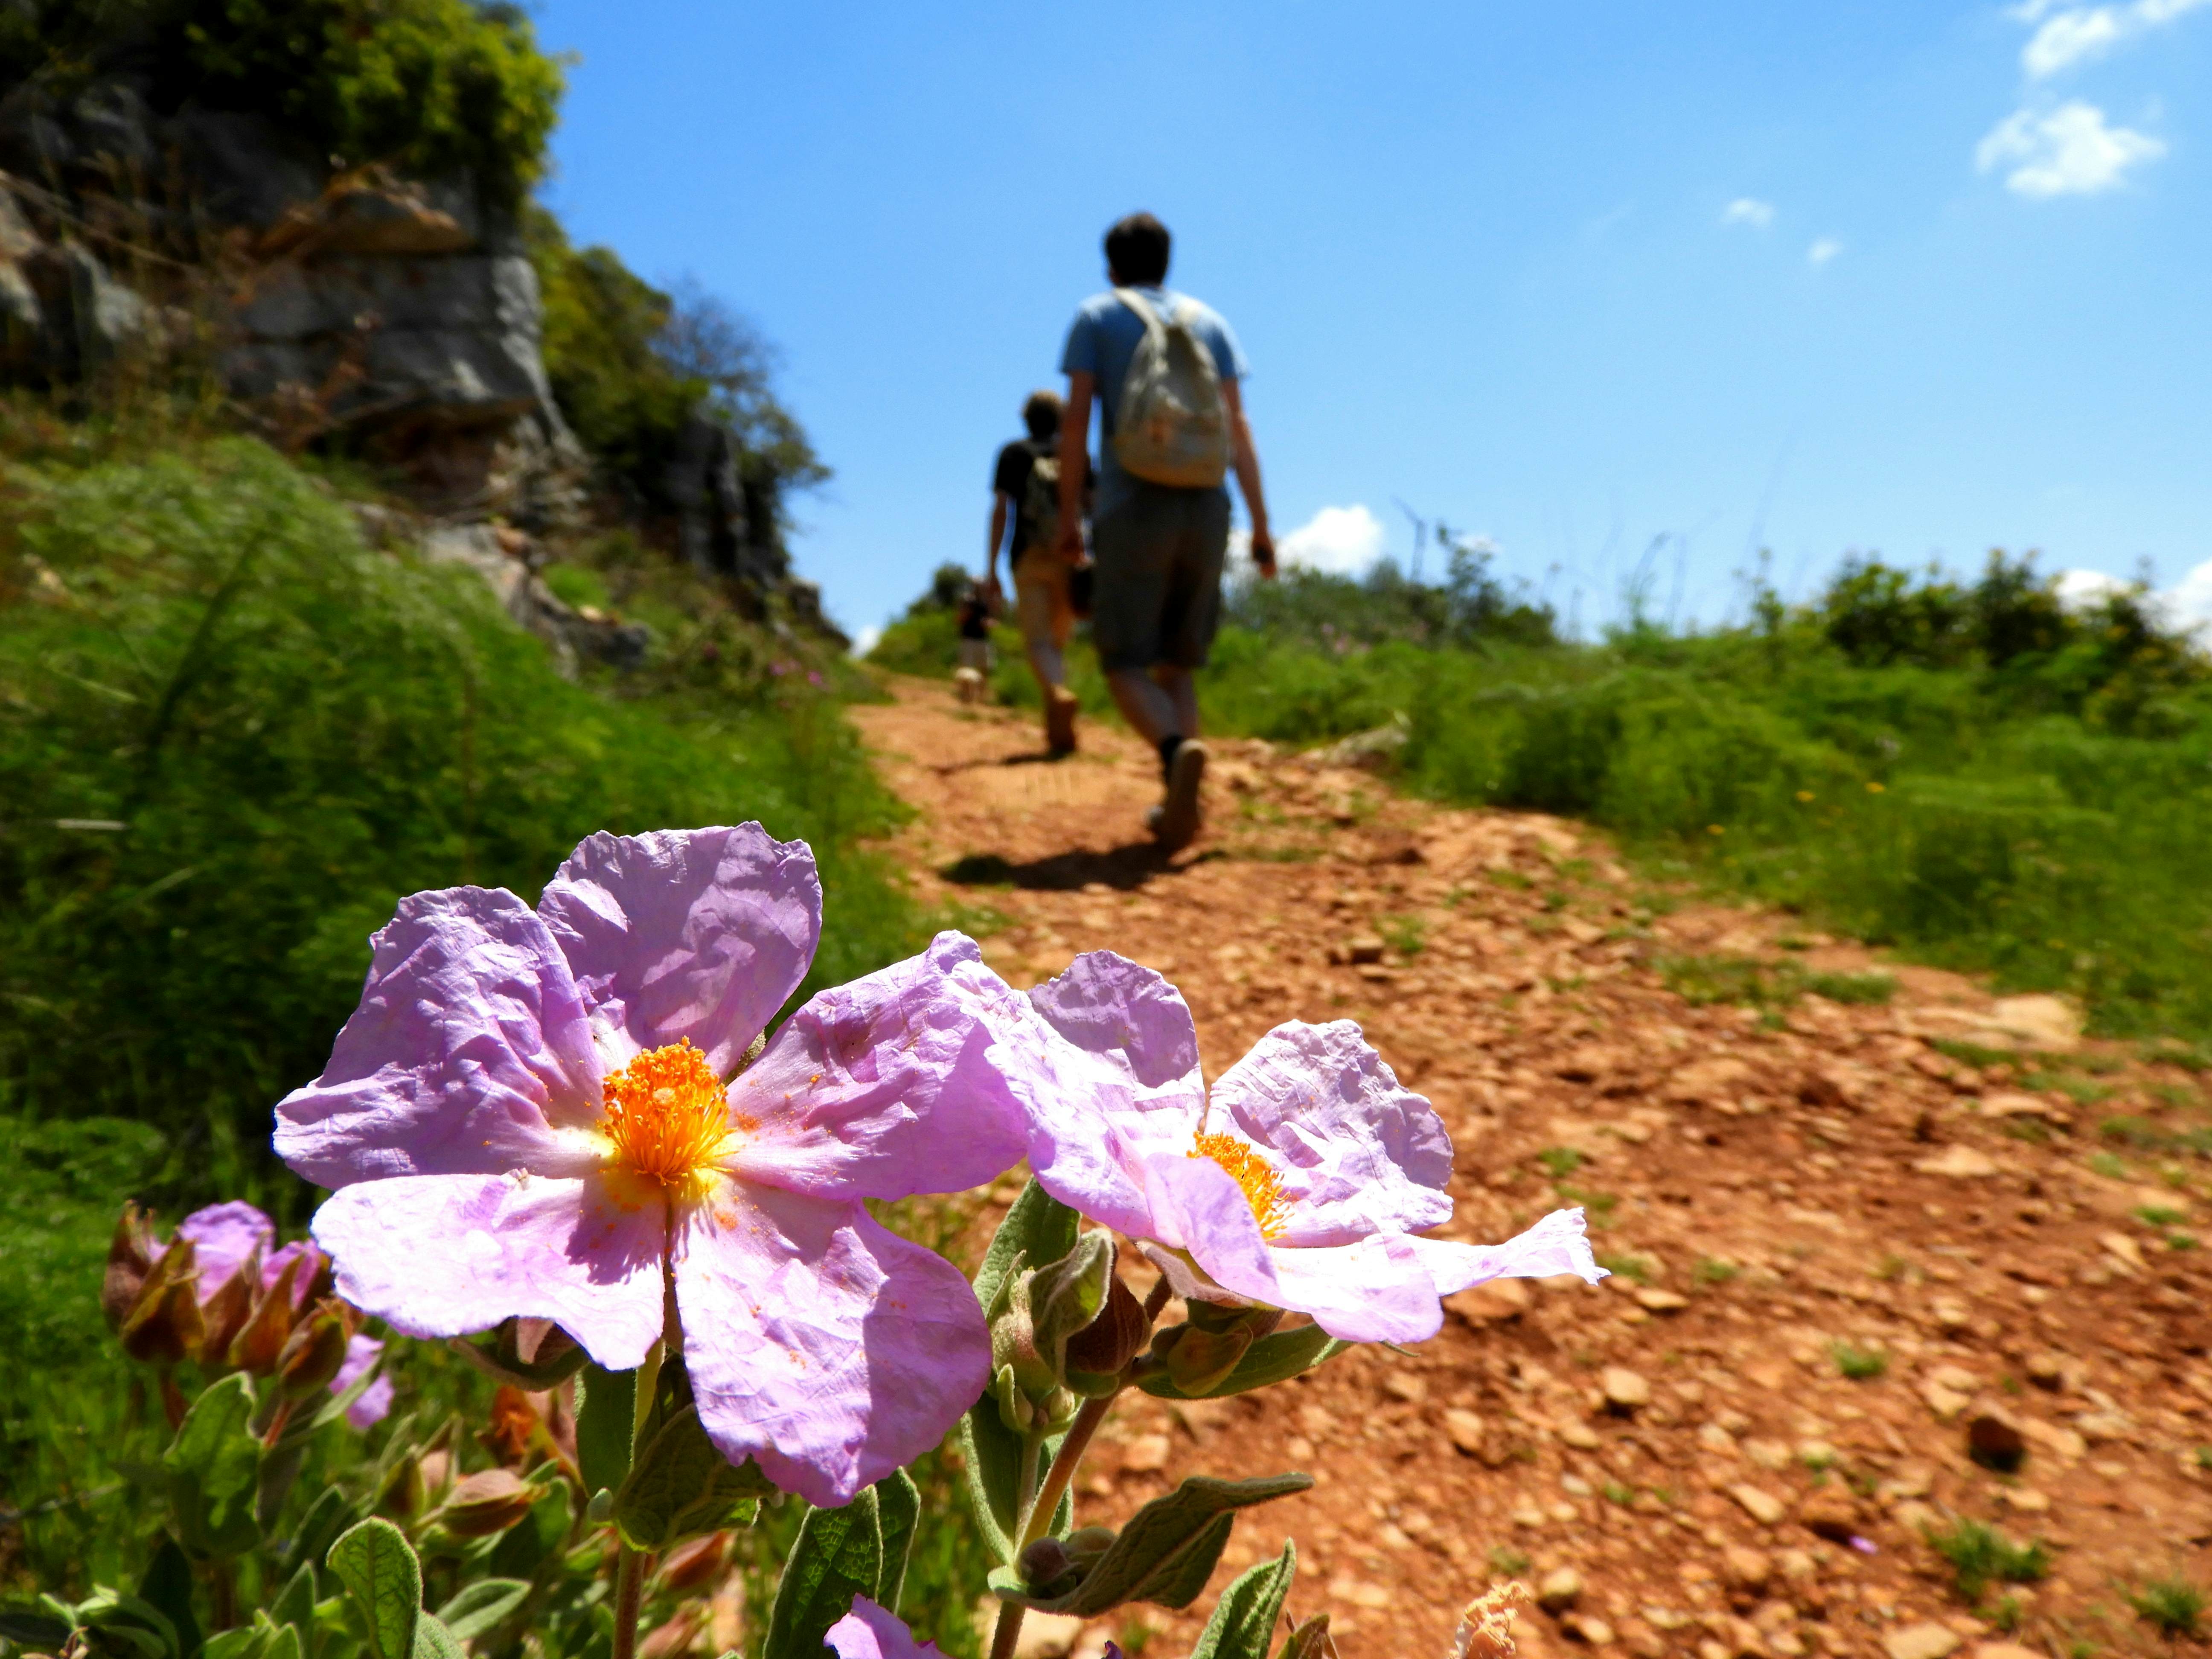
1146	315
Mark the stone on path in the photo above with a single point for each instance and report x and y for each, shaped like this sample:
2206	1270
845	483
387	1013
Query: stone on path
1927	1641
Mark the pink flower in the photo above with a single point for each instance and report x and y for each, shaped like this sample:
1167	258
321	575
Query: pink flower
1304	1183
542	1114
869	1633
227	1237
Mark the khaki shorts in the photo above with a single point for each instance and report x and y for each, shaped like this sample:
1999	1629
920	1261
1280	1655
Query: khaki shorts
1157	597
1041	608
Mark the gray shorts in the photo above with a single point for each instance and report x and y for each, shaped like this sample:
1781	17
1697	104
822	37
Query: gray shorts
1157	593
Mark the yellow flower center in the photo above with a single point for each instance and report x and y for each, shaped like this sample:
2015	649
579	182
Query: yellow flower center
666	1114
1263	1188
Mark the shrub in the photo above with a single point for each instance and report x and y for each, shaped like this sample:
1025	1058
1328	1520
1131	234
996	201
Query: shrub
2174	1604
431	87
1980	1556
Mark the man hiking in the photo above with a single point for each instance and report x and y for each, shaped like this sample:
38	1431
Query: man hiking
1026	489
1167	377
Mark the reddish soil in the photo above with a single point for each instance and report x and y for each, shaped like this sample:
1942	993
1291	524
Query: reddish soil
1784	1196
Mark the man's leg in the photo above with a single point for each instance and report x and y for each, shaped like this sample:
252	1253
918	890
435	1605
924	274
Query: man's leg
1041	639
1181	687
1148	707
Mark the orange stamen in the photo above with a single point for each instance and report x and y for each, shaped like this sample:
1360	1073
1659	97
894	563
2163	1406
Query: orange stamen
666	1113
1263	1188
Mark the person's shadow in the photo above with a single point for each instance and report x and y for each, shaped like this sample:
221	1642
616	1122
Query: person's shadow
1122	868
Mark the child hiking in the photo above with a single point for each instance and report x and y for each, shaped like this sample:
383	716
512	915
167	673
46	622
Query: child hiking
1167	375
1025	491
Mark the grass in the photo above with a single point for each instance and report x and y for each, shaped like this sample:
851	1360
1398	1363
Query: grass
1560	1162
2033	812
1860	1364
2144	1135
1406	935
290	729
1979	1555
1712	1271
1636	1269
2174	1604
1751	983
1507	1561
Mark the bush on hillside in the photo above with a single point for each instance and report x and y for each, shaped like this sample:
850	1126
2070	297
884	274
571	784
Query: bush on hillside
231	736
431	88
1470	608
632	366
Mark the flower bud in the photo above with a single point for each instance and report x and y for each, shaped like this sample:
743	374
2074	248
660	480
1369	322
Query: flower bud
313	1353
224	1313
1044	1561
692	1564
1200	1360
130	1256
1097	1355
534	1354
489	1501
255	1347
163	1325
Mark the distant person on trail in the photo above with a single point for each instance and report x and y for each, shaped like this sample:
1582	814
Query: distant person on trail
1168	375
972	679
1025	491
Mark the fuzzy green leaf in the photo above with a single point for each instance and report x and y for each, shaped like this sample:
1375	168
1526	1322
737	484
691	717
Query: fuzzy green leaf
1274	1358
898	1511
211	1469
606	1407
681	1487
375	1563
1166	1552
1038	1226
839	1554
1244	1617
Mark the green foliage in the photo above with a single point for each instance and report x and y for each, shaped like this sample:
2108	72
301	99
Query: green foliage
1860	1364
1981	1556
2173	1604
432	87
631	366
841	1554
1243	1622
1701	980
2029	802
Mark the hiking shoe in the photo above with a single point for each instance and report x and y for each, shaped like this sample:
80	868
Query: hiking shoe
1060	706
1174	821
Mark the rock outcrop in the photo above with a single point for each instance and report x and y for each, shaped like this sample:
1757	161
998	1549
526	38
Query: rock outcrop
403	313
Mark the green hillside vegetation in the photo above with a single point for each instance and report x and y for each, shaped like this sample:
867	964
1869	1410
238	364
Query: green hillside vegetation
431	88
1967	770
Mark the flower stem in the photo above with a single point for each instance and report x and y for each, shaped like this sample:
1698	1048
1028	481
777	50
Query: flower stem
629	1591
1056	1478
1008	1631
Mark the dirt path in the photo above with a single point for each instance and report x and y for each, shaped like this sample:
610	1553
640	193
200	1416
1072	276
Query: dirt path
1784	1199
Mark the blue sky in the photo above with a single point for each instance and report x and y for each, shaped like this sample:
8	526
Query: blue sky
1592	280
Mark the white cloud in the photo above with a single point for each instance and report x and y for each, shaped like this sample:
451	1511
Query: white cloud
1748	210
2085	590
2075	34
864	641
2067	151
1343	540
1823	250
2188	603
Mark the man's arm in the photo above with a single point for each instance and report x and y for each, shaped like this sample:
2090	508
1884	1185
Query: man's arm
999	505
1074	459
1246	460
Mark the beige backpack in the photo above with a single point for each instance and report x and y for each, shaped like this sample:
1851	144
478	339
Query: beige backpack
1172	424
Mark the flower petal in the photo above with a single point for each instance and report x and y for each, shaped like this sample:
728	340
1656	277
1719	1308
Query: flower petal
361	1352
1374	1291
470	1048
685	934
826	1348
1377	1290
1556	1244
1108	1078
869	1633
886	1086
1356	1152
303	1281
224	1237
445	1255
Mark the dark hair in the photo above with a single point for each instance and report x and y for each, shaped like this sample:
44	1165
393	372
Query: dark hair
1137	251
1041	413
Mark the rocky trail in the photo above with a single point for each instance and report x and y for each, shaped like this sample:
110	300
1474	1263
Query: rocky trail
1880	1269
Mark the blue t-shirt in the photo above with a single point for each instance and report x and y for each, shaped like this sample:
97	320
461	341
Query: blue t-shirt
1100	343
